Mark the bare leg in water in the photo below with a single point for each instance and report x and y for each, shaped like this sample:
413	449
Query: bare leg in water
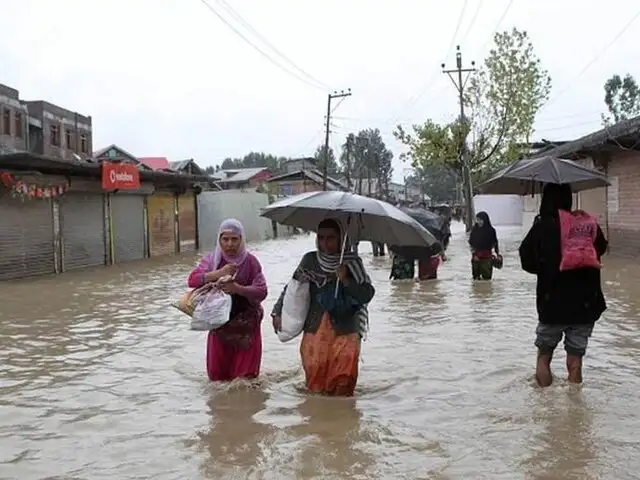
574	369
543	369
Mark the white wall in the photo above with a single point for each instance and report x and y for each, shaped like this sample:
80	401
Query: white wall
502	209
531	207
214	207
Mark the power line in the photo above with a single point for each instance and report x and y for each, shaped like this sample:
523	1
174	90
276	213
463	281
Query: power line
472	23
278	52
315	137
495	29
258	49
542	119
594	59
422	90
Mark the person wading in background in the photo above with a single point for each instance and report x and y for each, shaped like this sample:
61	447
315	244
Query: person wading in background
483	240
569	301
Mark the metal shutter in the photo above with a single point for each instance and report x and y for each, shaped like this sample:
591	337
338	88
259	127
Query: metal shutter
127	223
82	230
26	237
162	234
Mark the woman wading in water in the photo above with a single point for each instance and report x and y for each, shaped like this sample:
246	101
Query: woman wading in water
235	349
483	240
333	329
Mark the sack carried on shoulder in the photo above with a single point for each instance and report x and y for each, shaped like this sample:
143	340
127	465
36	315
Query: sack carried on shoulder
578	232
295	306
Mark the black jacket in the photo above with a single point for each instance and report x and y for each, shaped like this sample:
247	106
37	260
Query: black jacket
562	298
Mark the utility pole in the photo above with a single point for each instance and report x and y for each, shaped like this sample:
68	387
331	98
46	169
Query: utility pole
330	98
460	84
348	161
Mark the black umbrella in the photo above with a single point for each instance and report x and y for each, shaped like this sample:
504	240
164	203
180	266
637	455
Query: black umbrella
527	176
417	253
435	224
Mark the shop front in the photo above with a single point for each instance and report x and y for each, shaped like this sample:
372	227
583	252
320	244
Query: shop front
187	224
126	211
83	226
161	213
27	227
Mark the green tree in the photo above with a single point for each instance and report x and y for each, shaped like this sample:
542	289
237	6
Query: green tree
332	165
439	182
366	162
622	97
347	159
501	100
256	160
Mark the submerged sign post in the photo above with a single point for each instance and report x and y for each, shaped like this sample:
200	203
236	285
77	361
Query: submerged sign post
120	176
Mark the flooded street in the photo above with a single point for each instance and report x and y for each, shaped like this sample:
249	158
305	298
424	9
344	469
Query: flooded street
101	378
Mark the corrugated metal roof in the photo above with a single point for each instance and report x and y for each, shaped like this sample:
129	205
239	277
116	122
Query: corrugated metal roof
629	129
104	150
315	176
179	164
232	175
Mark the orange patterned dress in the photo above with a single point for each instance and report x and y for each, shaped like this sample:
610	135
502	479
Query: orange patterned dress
330	361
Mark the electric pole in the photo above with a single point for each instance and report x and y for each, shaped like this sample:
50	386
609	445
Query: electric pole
460	84
330	98
348	161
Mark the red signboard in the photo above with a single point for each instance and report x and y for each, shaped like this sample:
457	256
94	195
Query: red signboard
120	176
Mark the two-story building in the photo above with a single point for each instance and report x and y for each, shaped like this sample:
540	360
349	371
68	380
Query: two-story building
43	128
13	122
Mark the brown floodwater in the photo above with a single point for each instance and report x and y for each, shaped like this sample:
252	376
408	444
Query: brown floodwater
101	378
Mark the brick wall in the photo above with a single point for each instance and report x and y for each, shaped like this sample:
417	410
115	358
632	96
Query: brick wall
623	201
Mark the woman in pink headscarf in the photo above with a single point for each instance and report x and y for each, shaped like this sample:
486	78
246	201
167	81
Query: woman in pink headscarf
235	349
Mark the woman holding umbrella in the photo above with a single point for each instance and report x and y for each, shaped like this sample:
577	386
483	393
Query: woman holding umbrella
335	324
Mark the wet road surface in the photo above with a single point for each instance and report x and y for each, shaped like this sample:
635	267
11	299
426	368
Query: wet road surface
100	378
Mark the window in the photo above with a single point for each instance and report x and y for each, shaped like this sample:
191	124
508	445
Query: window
17	122
55	135
84	144
6	121
68	139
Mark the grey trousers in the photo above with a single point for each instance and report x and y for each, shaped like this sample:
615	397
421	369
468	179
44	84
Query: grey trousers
576	338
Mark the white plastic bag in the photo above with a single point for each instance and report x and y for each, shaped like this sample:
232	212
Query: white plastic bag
212	310
295	307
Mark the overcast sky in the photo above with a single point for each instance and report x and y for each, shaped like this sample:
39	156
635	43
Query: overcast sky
169	78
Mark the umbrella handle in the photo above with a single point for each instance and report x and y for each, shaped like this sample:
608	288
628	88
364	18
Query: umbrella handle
344	246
